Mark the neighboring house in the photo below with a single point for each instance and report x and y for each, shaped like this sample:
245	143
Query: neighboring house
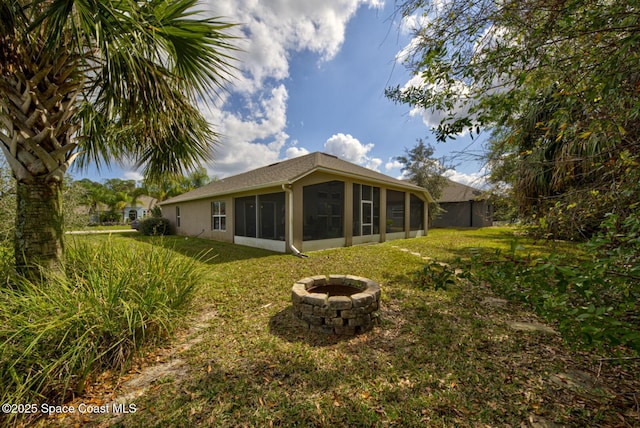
307	203
463	206
140	209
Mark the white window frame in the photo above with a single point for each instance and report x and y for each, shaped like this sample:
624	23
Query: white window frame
216	210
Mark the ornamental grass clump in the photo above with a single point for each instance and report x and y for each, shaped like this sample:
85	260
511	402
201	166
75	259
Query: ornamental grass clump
115	299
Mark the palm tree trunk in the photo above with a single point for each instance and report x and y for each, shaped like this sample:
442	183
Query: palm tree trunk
39	227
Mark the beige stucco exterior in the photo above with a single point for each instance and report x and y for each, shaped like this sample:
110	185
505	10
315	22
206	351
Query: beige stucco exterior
195	216
271	224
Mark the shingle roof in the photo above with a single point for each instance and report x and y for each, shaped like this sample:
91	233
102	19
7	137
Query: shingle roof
287	172
458	192
145	201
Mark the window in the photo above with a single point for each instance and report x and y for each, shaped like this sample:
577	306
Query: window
366	210
416	213
323	210
395	211
177	216
218	215
261	216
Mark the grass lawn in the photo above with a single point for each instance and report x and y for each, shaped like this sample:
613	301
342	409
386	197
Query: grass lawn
437	358
101	228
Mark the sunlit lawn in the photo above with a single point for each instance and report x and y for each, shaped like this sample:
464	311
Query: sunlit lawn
445	358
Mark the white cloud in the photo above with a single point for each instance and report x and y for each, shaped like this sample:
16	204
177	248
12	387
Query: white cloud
294	152
274	28
431	117
133	175
374	163
349	148
476	179
464	95
393	163
270	31
251	140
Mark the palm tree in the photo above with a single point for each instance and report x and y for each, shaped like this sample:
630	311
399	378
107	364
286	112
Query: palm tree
100	81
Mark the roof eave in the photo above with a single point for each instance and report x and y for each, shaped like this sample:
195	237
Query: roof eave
225	193
341	173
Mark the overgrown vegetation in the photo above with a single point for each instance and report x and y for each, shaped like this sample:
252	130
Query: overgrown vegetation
595	300
116	299
556	84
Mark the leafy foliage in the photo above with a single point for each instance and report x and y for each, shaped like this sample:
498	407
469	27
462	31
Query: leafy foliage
436	275
594	301
423	169
58	334
155	226
101	81
7	206
557	82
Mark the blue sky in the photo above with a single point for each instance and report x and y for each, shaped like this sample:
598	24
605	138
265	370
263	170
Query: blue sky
311	77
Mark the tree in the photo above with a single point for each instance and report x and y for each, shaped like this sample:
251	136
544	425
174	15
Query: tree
94	195
168	187
7	206
423	169
556	80
98	81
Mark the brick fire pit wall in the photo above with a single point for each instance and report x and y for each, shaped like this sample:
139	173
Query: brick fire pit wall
337	304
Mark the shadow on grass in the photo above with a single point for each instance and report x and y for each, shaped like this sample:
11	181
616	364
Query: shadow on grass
206	250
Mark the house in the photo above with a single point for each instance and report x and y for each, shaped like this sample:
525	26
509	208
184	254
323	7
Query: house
307	203
139	209
463	206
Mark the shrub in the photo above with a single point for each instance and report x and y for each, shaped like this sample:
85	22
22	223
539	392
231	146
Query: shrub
435	275
110	217
155	226
57	335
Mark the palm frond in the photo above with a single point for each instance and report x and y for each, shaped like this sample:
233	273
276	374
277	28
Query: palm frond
145	66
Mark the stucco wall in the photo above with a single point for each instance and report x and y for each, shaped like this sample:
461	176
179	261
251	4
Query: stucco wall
195	219
195	216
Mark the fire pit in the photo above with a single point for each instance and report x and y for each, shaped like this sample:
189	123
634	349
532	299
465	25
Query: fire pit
337	304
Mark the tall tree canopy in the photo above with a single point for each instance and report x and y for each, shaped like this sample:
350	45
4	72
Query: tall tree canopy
419	165
98	81
558	81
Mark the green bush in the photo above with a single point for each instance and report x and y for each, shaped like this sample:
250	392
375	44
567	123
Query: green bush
110	217
56	336
155	226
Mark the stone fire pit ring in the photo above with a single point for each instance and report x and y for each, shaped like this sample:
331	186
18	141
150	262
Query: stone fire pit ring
336	304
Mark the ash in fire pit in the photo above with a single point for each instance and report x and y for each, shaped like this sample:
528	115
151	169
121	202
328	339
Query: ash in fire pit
337	304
